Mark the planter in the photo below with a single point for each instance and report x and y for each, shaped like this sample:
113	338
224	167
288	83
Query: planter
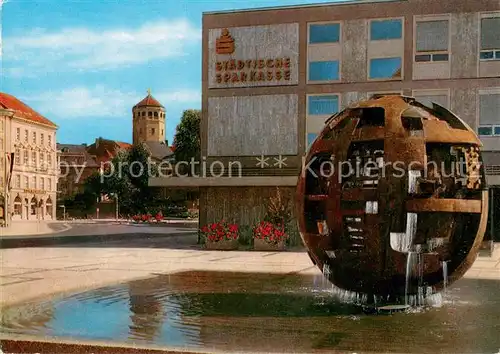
225	245
262	245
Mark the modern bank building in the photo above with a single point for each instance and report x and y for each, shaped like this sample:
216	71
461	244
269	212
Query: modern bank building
273	76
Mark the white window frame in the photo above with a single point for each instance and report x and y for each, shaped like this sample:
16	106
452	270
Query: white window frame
430	18
322	94
387	92
316	45
488	91
401	78
496	50
369	32
323	23
436	92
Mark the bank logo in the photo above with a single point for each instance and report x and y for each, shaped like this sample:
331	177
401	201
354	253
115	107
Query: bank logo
225	43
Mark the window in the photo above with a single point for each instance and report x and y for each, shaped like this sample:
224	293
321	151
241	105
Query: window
42	183
323	105
42	162
33	158
490	39
431	42
18	181
26	134
310	138
26	182
49	140
156	114
323	70
18	134
386	29
33	181
25	157
34	137
49	184
152	131
489	120
324	33
385	68
49	160
162	132
41	139
150	114
427	100
17	156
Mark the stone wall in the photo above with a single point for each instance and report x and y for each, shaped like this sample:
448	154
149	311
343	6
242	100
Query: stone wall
253	125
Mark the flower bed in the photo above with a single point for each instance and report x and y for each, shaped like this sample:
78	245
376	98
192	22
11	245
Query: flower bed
269	237
147	218
220	236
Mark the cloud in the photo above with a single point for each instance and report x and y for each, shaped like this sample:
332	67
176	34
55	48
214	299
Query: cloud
83	102
85	49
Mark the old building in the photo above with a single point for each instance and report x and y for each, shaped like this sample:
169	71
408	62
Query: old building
272	76
31	188
75	165
148	121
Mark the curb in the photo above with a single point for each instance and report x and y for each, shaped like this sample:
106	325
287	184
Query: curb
43	241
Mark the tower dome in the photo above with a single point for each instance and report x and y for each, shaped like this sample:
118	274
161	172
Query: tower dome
148	120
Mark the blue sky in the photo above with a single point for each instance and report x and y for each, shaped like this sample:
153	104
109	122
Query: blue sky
84	64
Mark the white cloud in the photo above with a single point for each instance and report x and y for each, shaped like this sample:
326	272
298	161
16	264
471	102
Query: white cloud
82	102
85	49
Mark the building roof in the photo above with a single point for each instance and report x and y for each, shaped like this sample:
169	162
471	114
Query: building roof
22	110
149	101
71	150
105	149
284	7
159	149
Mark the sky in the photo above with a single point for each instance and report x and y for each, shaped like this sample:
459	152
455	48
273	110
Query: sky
85	63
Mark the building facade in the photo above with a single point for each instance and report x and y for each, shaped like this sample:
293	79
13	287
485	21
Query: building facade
31	187
75	166
271	77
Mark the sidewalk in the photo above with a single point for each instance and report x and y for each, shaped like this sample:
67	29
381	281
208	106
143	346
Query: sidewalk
25	228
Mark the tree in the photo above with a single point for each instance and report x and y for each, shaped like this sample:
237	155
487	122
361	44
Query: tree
127	177
187	137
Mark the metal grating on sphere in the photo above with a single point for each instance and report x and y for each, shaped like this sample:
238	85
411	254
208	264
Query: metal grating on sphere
392	198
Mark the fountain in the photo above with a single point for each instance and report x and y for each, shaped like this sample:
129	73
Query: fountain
402	212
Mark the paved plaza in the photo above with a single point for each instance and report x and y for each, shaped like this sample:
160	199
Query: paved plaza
33	272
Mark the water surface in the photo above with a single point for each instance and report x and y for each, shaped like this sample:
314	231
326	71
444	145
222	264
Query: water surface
262	312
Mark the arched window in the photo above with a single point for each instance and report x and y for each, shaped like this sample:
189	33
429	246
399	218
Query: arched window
150	114
17	206
48	207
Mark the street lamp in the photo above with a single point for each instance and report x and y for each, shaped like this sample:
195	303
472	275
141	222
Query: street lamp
116	198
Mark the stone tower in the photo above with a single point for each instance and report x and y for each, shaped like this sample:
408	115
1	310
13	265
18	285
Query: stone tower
148	120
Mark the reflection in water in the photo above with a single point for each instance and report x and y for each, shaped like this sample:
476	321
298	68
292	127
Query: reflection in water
262	312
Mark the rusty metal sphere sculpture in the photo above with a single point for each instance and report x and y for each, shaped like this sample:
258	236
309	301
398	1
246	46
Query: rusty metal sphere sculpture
392	198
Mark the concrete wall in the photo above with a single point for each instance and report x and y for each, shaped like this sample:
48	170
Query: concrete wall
243	205
254	43
463	104
464	34
354	40
253	125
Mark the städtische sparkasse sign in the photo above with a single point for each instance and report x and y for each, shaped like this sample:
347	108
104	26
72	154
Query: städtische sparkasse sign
253	56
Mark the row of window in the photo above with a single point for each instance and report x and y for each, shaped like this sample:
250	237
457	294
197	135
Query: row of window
489	106
379	68
44	183
152	131
150	114
34	137
431	45
44	159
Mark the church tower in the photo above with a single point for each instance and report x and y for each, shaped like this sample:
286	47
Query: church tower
148	121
